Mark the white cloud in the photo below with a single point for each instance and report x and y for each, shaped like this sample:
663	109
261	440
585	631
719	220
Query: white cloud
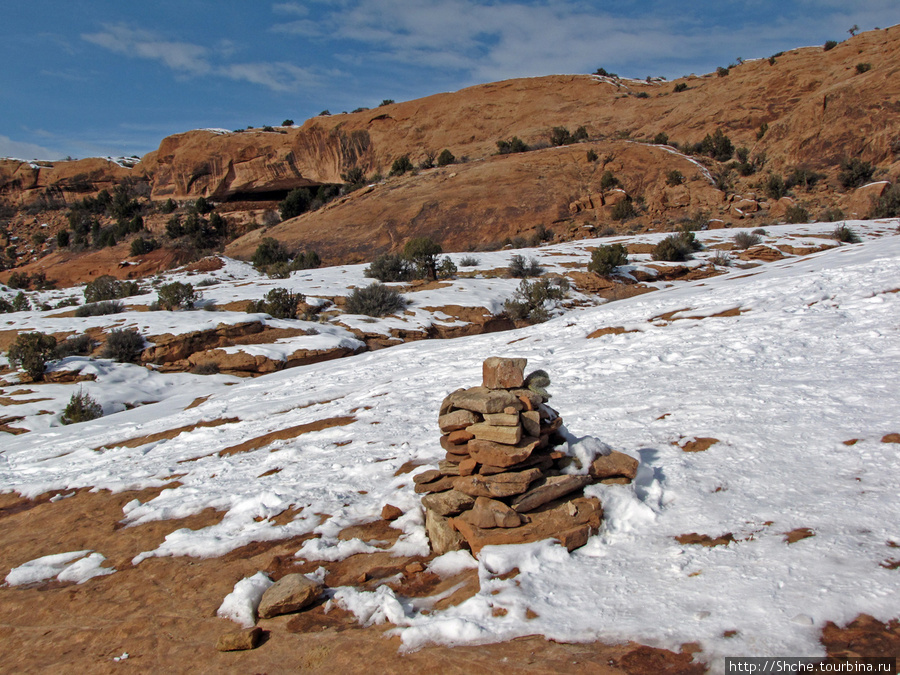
28	151
181	56
195	60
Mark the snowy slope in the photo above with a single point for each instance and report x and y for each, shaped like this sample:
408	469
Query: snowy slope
809	363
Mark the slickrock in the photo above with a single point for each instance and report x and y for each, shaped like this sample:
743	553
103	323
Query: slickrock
503	478
291	593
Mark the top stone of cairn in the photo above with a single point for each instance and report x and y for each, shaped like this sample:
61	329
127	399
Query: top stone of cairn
500	373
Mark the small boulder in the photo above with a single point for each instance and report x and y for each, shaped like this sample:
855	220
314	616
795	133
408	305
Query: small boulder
390	512
614	465
240	640
289	594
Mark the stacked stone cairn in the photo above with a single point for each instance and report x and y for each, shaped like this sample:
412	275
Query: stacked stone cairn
503	480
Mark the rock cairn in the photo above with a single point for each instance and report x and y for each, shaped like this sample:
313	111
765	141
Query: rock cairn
502	480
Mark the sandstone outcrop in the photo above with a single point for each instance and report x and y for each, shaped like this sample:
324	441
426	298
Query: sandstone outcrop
503	479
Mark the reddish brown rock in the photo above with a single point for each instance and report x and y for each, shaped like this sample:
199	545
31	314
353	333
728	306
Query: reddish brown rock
614	465
489	432
571	523
500	454
483	400
427	476
456	420
546	490
488	513
467	467
240	640
441	485
390	512
460	437
498	485
448	503
291	593
891	438
501	373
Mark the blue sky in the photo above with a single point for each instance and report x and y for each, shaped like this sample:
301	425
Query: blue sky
95	78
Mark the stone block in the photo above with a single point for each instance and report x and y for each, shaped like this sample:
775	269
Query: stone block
448	503
502	373
488	513
240	640
500	454
489	432
441	534
547	489
614	465
502	419
483	400
498	485
456	420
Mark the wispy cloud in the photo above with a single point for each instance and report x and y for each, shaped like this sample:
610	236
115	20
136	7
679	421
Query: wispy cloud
485	41
195	60
20	150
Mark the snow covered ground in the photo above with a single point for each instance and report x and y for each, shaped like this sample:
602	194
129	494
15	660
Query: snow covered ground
808	364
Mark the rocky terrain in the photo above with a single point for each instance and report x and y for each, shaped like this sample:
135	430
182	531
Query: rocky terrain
808	109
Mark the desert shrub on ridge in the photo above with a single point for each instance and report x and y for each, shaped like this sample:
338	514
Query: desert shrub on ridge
375	300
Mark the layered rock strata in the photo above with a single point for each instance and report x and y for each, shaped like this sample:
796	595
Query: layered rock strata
503	479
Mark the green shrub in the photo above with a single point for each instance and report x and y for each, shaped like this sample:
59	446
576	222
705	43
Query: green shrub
681	86
832	215
206	368
101	308
520	269
855	172
763	128
446	157
279	303
775	186
796	214
297	202
446	269
580	134
375	300
676	247
560	136
803	177
423	252
77	345
19	280
387	101
168	206
863	68
81	408
674	177
288	123
830	44
608	181
845	234
177	295
513	145
401	165
389	267
5	306
62	238
718	146
469	261
606	259
66	302
530	299
20	303
105	287
354	178
592	155
888	204
744	240
269	251
661	138
141	246
123	345
31	352
623	210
